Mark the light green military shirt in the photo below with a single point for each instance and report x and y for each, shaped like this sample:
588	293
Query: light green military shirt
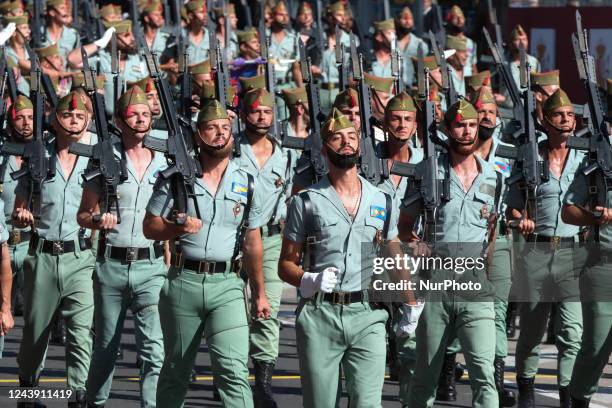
69	41
550	196
287	49
578	195
221	214
274	179
472	53
458	82
9	186
341	239
4	235
384	70
60	198
398	192
329	69
160	42
134	195
197	52
412	50
515	69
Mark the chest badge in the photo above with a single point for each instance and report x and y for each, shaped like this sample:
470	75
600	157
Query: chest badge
484	211
279	182
236	209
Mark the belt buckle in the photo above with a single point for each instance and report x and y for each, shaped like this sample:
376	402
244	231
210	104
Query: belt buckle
177	259
204	267
58	247
15	237
555	242
131	254
340	298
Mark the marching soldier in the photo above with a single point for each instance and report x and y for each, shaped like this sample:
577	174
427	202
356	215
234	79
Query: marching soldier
547	269
158	124
299	118
130	269
152	18
446	315
203	294
455	20
518	37
458	61
407	42
59	264
381	93
384	36
198	41
544	85
336	325
232	47
263	157
57	30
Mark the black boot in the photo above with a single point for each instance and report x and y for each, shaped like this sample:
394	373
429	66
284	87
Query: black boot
120	353
446	383
459	370
506	397
565	400
18	303
58	333
526	397
79	400
511	320
577	403
216	395
194	376
29	383
262	395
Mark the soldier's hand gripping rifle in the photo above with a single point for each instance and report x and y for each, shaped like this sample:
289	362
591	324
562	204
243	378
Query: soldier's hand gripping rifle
373	168
597	142
529	171
36	165
448	89
425	186
183	166
313	143
104	163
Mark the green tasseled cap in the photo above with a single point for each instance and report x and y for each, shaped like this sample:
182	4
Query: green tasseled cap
460	110
336	121
212	110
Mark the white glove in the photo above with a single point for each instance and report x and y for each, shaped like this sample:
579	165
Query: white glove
313	282
103	42
7	33
410	318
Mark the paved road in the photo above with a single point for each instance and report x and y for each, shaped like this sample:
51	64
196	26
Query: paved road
286	380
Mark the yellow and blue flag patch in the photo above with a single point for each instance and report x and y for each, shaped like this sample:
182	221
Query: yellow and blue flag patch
239	188
503	167
378	212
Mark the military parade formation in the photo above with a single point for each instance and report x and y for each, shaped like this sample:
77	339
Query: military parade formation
188	160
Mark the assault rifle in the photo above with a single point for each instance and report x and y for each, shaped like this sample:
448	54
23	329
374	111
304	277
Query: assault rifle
448	89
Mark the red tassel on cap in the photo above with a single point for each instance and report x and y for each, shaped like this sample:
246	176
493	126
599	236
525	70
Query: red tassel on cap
73	102
235	100
486	81
128	111
353	100
458	118
149	87
478	104
13	112
255	103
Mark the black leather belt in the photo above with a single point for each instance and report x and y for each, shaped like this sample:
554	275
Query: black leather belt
17	237
58	247
343	298
200	266
328	86
555	241
131	254
273	229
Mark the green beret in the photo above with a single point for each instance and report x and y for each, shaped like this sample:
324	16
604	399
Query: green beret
456	43
256	82
336	121
383	25
49	51
378	83
18	20
70	102
401	102
477	80
454	11
347	98
133	96
545	78
460	110
194	5
482	96
200	68
78	81
209	92
294	96
257	97
557	100
212	110
247	35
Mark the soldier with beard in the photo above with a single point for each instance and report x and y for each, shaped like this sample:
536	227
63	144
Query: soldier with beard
203	294
59	264
130	269
57	29
152	19
299	120
327	225
20	127
384	36
272	166
407	42
158	125
455	26
231	49
518	37
196	33
501	269
469	317
547	269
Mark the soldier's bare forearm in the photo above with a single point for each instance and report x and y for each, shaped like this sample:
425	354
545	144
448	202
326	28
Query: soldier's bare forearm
253	261
289	269
160	229
6	278
572	214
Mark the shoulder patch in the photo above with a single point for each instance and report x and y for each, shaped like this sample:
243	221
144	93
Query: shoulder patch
503	167
378	212
239	188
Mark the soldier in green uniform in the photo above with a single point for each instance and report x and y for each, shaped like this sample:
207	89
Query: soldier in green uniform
336	326
57	30
232	47
501	268
543	85
549	263
196	33
518	37
595	284
455	20
20	122
384	36
54	65
152	17
459	62
452	314
299	120
381	89
203	294
158	125
59	265
130	269
407	42
272	166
